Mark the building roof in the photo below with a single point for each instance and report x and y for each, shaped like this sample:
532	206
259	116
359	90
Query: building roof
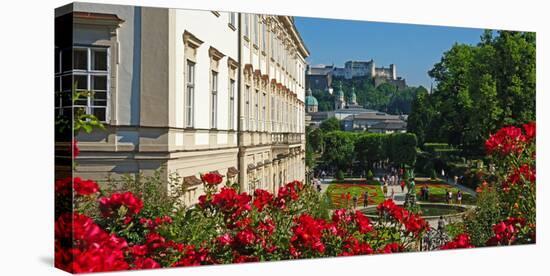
390	125
311	101
375	116
323	71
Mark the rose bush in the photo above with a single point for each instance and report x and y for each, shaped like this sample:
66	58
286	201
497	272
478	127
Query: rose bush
110	231
513	149
506	213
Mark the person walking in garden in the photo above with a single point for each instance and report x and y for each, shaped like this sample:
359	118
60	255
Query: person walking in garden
366	199
426	193
402	184
449	197
440	224
459	197
456	179
385	190
355	199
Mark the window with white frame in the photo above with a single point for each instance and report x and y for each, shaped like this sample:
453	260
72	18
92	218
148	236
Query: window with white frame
63	81
214	100
255	23
233	19
256	109
272	104
247	25
231	104
264	38
272	45
279	51
190	94
247	119
88	75
264	115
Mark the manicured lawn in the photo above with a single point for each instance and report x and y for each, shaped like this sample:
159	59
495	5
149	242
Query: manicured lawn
437	192
336	190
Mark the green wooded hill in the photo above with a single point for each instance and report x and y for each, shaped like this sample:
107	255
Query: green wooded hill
386	97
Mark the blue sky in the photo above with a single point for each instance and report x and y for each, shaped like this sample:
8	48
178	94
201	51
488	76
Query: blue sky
413	48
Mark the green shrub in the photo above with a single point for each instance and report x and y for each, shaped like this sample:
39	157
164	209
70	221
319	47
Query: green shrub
370	175
433	175
340	175
480	223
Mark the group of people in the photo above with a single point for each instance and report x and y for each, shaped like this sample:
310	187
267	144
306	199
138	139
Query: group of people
354	199
424	193
449	196
394	177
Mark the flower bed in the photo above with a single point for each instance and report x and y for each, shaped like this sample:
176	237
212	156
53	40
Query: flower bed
337	193
115	231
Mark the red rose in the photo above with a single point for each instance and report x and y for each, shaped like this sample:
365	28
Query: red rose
85	187
245	237
460	241
225	239
262	199
108	205
506	140
145	263
530	130
212	179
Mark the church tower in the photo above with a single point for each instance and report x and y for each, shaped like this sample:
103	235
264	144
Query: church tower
353	100
339	102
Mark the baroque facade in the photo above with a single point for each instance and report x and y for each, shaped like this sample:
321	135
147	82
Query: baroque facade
171	87
272	139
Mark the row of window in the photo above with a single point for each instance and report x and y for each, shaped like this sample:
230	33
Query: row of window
283	114
190	98
255	30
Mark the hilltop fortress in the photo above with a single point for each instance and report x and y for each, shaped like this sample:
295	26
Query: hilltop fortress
320	77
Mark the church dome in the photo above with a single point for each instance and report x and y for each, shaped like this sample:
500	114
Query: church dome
310	99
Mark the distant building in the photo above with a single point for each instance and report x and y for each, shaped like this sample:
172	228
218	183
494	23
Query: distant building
353	115
378	122
389	126
321	77
311	102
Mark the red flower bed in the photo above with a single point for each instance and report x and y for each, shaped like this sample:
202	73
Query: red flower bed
246	228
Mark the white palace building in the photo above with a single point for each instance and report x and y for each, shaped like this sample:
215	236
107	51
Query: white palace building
190	91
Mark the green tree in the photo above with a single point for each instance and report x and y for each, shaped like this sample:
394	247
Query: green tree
330	124
339	149
369	149
479	88
315	139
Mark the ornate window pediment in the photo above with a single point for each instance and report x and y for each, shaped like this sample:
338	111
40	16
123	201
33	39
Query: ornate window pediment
215	54
191	40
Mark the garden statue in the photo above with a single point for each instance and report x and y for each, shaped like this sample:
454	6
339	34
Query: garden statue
410	197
